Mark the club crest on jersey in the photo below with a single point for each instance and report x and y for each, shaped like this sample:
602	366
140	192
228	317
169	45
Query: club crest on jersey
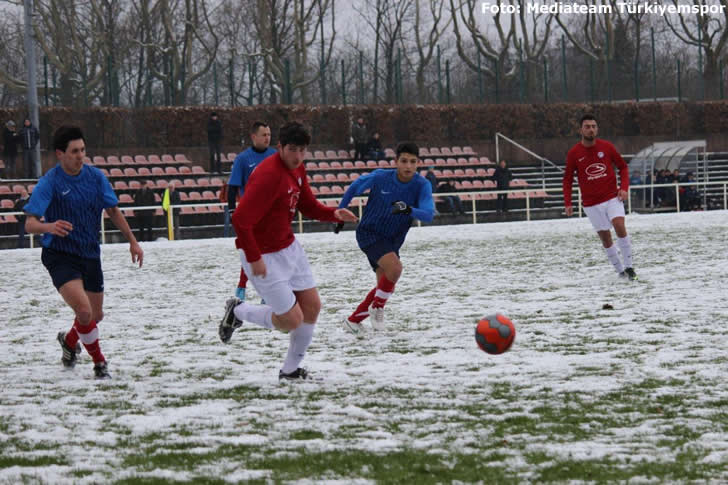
299	181
600	154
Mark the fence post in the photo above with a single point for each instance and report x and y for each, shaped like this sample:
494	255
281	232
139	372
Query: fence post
629	200
677	196
300	222
32	240
103	229
475	215
725	197
528	206
700	61
580	206
654	65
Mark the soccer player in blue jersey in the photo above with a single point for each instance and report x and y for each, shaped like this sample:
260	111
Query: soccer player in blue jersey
396	198
243	166
70	199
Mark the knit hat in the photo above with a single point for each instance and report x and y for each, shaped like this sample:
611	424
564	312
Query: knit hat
10	124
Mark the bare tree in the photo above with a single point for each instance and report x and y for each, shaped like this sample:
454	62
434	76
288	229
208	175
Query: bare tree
427	46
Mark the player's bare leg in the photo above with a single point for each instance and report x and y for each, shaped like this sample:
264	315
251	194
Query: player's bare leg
86	306
625	246
300	322
388	273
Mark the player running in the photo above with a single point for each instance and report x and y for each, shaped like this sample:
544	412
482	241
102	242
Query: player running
71	197
593	160
396	197
272	258
243	167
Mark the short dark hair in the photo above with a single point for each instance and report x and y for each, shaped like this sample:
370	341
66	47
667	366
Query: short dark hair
587	117
213	114
256	125
293	133
66	134
408	147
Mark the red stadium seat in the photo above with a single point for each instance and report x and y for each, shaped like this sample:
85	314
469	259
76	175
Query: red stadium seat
389	153
447	173
11	219
105	172
451	161
335	165
127	160
360	164
135	185
185	170
144	172
314	190
383	163
468	151
187	210
424	152
467	185
486	161
331	202
130	172
171	171
446	151
125	199
215	209
462	161
180	157
469	172
201	210
353	176
331	155
167	159
459	172
216	182
157	171
336	189
311	166
457	151
474	161
195	195
435	152
198	170
319	155
347	165
308	155
30	188
6	204
113	160
99	160
154	159
342	177
183	196
330	177
116	172
481	172
203	182
318	178
324	165
371	164
17	188
120	185
324	189
190	183
478	184
440	162
489	184
140	159
162	184
343	154
209	195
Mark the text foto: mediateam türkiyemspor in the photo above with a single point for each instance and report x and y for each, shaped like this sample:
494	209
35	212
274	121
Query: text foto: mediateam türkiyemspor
621	7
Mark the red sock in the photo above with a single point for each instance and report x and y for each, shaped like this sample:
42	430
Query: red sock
385	288
89	336
72	336
362	311
243	282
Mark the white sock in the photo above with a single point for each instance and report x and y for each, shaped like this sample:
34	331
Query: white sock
625	247
613	257
261	315
300	340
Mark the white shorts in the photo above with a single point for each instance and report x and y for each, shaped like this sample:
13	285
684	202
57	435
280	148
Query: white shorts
601	215
287	271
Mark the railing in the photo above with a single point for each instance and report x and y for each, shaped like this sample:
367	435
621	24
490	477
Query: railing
533	154
473	202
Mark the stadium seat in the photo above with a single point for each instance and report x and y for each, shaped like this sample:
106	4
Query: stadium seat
331	155
190	183
468	151
324	166
183	196
308	155
446	151
171	171
437	173
125	199
459	172
177	182
112	160
231	157
120	185
11	219
319	155
478	184
203	182
185	170
424	152
469	172
335	165
440	162
140	159
490	172
187	210
343	154
337	189
349	165
359	164
462	161
105	172
99	160
447	173
30	188
311	166
371	164
180	157
6	204
383	163
167	159
144	172
318	178
487	196
457	185
17	188
201	210
154	159
457	151
209	195
330	177
198	170
353	176
127	160
215	209
474	161
314	190
342	177
157	171
162	184
130	172
389	153
135	185
485	161
435	152
467	185
451	161
309	179
195	195
116	172
481	172
324	189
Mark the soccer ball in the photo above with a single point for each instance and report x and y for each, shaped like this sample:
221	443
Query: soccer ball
495	334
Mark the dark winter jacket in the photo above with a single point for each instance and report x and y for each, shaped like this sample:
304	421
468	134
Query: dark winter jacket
359	133
502	177
214	130
10	143
29	137
144	198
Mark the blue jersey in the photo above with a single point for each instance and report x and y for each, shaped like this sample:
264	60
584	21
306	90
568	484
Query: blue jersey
378	222
78	199
244	165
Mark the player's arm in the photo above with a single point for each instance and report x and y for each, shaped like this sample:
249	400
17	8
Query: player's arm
35	209
568	183
260	194
425	210
358	187
623	174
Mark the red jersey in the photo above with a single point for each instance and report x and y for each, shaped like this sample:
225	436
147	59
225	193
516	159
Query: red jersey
594	167
263	217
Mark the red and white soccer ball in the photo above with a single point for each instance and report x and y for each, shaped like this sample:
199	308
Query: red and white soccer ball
495	334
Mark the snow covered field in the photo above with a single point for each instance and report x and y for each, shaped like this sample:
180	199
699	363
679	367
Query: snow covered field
638	392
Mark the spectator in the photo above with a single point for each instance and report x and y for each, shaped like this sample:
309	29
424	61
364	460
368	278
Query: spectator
144	197
676	176
432	178
456	205
359	136
29	137
636	179
10	149
502	177
214	138
18	207
171	198
374	147
691	194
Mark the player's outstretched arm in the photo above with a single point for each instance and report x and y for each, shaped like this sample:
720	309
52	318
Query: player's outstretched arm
137	253
59	228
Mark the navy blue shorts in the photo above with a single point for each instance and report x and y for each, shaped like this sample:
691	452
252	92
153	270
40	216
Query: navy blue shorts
375	251
64	267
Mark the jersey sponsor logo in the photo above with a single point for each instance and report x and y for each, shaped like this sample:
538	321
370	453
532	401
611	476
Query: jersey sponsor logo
596	171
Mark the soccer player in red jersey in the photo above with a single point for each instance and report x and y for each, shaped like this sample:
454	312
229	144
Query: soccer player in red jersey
271	256
593	160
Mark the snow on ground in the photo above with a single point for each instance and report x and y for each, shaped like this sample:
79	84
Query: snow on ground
643	383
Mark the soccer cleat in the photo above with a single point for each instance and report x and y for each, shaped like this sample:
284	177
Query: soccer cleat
69	355
101	371
622	274
229	321
353	327
630	274
298	374
377	316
